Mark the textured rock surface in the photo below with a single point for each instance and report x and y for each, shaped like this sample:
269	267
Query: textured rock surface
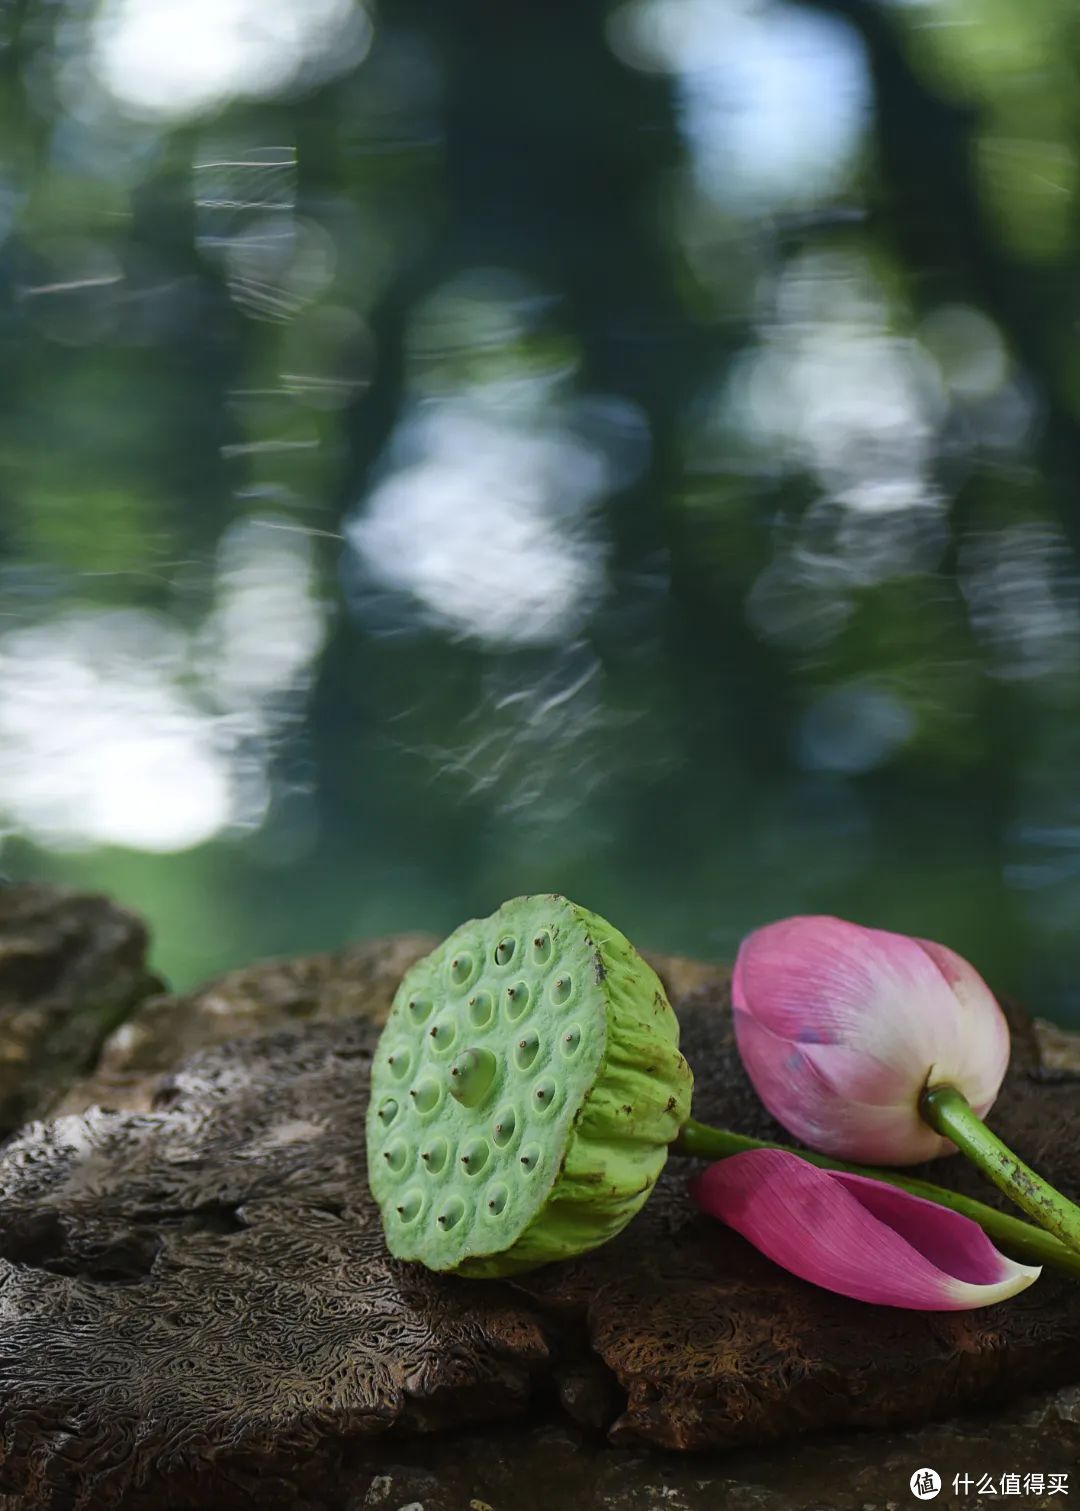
71	967
198	1309
1059	1052
166	1029
356	982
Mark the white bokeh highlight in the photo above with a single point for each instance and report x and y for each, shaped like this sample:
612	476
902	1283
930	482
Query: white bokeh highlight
124	727
160	59
487	525
773	100
99	742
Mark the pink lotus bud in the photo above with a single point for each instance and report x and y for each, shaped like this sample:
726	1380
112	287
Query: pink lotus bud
841	1028
857	1236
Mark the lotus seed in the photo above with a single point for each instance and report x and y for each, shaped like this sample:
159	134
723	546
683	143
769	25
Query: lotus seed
472	1075
452	1213
518	998
497	1199
481	1009
411	1203
561	990
396	1156
527	1050
388	1112
544	1095
504	951
541	948
529	1159
443	1034
425	1094
461	969
571	1042
420	1008
400	1063
505	1126
435	1155
475	1157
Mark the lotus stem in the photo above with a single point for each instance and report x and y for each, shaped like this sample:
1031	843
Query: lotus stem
949	1113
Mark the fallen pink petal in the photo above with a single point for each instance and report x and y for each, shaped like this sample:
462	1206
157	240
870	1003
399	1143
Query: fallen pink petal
860	1237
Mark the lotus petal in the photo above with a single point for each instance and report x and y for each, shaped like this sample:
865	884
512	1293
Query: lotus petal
840	1027
859	1237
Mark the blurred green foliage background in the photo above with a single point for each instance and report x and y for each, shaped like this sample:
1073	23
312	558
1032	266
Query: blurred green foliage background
457	450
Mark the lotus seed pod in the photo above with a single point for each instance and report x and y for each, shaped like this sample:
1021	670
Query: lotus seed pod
524	1092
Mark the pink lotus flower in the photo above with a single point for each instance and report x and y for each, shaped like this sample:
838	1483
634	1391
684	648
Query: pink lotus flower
841	1028
860	1237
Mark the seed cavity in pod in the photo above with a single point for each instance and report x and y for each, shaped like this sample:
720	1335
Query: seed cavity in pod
529	1159
475	1156
541	947
481	1009
419	1009
462	969
397	1156
505	1126
526	1050
497	1198
409	1207
570	1042
434	1155
425	1094
543	1094
442	1035
452	1213
518	998
562	989
471	1076
504	950
400	1063
388	1112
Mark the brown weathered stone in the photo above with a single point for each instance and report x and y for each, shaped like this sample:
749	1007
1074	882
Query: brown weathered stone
358	981
1059	1051
198	1309
71	967
200	1298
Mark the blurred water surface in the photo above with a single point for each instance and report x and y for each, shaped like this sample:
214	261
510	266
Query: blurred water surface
630	450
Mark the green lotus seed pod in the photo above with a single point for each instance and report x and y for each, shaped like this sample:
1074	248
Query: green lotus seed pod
524	1092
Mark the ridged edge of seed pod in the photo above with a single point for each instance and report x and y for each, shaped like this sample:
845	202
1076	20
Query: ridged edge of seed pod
619	1141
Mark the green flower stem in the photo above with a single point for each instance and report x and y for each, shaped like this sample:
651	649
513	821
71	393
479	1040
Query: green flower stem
1021	1238
950	1114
